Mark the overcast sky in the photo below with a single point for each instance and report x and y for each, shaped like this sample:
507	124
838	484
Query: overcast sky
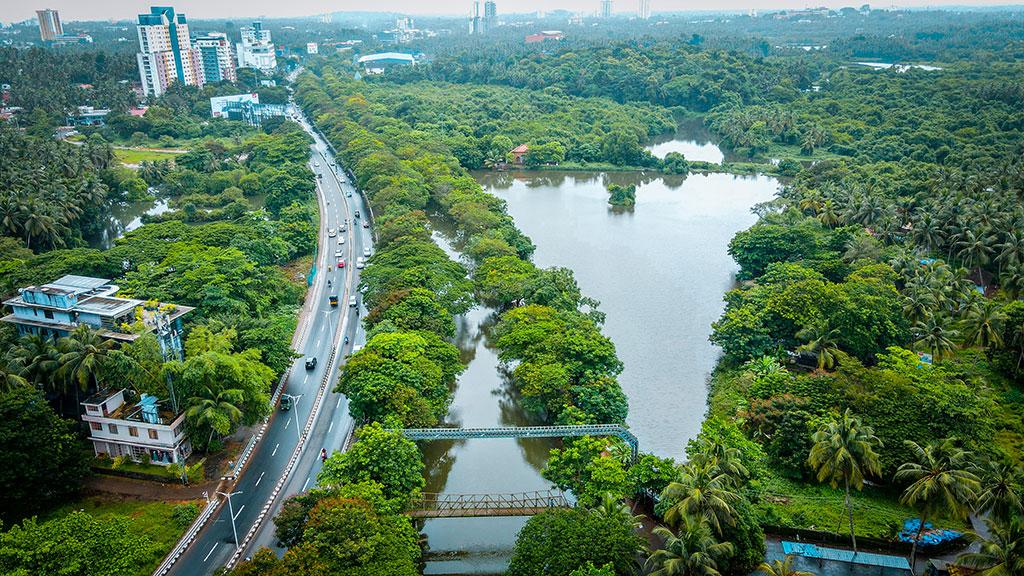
17	10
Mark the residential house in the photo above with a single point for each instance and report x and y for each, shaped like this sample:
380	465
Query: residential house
143	432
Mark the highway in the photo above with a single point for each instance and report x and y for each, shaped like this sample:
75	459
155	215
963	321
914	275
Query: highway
321	334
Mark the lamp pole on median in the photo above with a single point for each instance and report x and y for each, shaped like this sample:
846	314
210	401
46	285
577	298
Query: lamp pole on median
295	411
231	511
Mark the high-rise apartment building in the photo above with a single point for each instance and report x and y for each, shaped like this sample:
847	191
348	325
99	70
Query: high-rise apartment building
49	25
166	55
256	50
606	8
218	59
475	25
644	10
490	14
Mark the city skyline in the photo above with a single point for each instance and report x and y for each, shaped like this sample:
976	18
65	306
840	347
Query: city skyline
76	10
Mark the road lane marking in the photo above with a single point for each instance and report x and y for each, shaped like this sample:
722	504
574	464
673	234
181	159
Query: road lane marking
275	449
211	551
331	427
286	423
239	513
305	484
260	479
339	402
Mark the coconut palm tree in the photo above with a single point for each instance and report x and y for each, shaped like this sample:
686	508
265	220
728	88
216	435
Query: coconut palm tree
10	379
37	359
85	357
940	482
693	552
724	458
701	492
1002	553
844	453
975	249
216	409
782	567
612	507
822	340
1012	280
983	323
1001	494
935	334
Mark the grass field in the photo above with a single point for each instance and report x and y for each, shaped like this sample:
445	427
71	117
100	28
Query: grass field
152	519
876	512
136	156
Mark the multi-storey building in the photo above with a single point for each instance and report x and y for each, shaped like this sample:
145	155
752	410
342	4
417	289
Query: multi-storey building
606	9
49	25
56	309
166	54
218	60
256	50
144	431
644	9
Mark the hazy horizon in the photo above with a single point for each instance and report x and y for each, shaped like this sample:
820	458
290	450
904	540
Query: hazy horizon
77	10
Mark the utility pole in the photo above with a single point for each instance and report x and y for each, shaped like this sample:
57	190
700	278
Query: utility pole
231	511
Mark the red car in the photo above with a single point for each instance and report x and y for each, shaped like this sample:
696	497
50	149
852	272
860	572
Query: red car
341	263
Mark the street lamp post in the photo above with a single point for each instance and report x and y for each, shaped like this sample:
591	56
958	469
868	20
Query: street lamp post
231	511
295	411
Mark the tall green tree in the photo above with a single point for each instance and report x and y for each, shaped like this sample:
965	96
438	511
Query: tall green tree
939	481
844	453
691	552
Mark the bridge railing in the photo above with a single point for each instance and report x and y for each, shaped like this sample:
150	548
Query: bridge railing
616	430
454	505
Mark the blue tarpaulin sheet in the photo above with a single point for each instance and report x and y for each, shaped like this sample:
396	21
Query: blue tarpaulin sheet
840	555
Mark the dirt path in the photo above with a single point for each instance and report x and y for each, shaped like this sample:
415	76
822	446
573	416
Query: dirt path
147	489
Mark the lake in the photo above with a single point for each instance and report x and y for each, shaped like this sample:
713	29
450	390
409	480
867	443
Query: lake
660	272
691	139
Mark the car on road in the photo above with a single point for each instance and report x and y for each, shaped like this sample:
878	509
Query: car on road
286	402
338	254
333	164
333	299
341	263
310	362
348	194
331	232
366	224
357	213
316	164
343	229
366	252
360	263
352	301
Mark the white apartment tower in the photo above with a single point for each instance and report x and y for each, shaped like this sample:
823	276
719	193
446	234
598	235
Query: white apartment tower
606	8
644	10
49	25
166	54
218	58
256	49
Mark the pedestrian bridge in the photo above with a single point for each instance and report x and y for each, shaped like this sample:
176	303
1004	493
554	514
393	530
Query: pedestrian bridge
616	430
477	505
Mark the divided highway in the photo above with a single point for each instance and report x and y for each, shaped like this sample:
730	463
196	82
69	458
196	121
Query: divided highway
322	332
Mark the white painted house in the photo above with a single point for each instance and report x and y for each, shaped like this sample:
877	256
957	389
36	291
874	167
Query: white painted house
143	431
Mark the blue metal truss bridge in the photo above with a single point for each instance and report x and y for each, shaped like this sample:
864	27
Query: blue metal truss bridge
617	430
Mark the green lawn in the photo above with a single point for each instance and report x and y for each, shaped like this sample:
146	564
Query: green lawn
151	519
876	512
136	156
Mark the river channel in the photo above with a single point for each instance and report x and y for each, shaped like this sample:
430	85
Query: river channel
660	271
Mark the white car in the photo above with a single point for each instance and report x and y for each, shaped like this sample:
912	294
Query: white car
331	232
360	263
338	254
366	252
341	240
316	164
352	301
